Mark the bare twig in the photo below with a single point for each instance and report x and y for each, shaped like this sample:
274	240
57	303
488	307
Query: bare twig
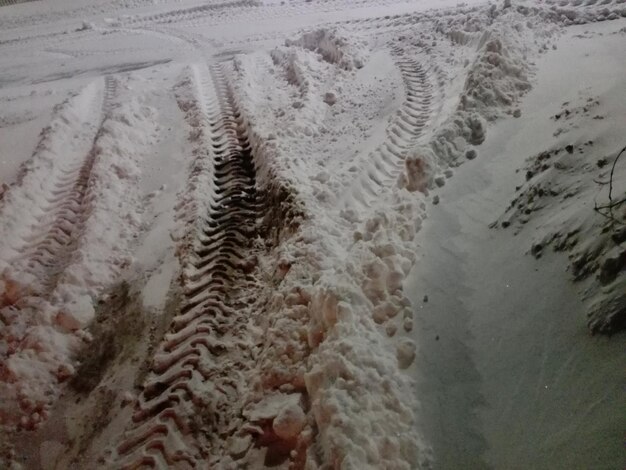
612	171
611	204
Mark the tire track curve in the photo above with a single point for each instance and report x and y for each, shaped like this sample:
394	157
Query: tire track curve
182	413
384	164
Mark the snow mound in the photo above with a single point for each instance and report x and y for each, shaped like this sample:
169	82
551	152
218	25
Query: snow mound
593	240
497	73
496	80
333	46
338	299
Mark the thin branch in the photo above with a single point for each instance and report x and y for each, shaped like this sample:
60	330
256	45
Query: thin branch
611	177
600	209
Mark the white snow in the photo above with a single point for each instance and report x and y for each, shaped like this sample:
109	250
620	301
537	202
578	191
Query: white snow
503	336
357	114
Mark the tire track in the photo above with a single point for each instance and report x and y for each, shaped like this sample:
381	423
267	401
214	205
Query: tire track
584	11
50	246
385	163
584	3
248	10
182	414
4	3
192	13
373	26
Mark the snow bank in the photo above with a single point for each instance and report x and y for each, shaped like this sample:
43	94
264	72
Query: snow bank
497	74
561	184
563	199
339	320
339	277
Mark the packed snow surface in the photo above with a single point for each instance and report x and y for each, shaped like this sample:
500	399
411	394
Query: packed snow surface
209	211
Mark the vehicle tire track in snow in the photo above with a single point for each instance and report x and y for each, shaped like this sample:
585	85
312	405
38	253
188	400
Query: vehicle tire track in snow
50	246
4	3
42	246
385	163
373	26
191	13
244	11
392	25
194	374
583	11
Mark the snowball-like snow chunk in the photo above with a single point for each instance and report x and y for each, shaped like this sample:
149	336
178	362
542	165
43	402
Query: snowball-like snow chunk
476	127
271	406
416	174
86	26
67	321
81	309
127	397
329	312
11	289
330	98
64	372
289	421
405	352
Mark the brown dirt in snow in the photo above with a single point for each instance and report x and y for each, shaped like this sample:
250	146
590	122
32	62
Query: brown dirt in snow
111	366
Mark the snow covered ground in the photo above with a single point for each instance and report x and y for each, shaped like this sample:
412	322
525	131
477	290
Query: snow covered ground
210	209
508	375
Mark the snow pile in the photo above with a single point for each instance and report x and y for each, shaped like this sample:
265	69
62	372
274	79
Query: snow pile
340	278
497	75
74	247
360	399
302	72
338	294
497	79
333	46
338	320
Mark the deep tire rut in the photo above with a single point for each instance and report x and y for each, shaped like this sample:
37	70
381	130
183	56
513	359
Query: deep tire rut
180	416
